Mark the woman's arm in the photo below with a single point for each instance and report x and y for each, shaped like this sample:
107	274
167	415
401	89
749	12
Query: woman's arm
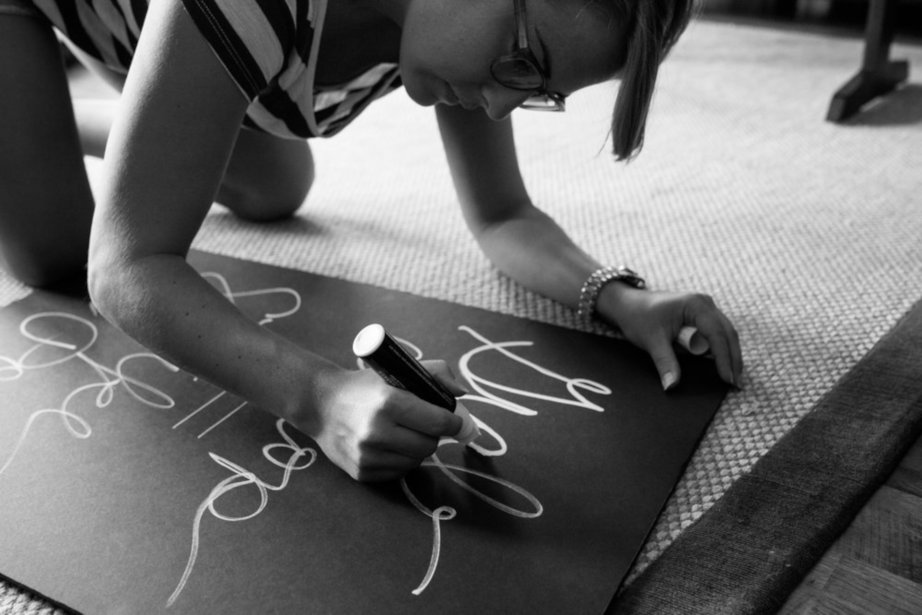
169	145
530	247
519	239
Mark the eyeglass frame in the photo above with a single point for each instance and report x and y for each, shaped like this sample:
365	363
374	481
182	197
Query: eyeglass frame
549	101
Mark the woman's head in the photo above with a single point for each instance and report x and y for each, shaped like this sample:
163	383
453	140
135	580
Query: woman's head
448	48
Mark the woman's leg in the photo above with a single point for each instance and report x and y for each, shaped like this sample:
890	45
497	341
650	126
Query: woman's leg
45	201
267	177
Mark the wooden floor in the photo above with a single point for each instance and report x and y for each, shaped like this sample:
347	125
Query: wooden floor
876	565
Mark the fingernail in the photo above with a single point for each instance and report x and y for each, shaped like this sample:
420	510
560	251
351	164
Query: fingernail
668	381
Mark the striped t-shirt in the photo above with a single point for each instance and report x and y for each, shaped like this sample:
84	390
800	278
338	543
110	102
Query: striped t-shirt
268	47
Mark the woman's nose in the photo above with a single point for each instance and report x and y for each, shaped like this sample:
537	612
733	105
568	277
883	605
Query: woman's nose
501	101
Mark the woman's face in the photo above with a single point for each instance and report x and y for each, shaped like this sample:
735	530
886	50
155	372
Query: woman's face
447	47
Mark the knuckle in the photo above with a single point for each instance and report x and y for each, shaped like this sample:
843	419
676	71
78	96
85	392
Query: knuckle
364	434
658	352
363	475
449	423
430	448
659	344
353	471
364	465
440	369
702	300
363	451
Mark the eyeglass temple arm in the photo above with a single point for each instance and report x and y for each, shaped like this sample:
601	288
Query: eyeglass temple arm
521	24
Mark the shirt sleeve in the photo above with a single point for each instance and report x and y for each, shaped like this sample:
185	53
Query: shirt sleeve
251	38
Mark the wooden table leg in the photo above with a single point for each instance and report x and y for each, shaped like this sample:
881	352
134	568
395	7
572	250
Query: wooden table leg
878	75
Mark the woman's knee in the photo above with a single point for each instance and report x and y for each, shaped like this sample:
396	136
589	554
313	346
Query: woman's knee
267	178
51	259
46	271
264	203
45	230
46	204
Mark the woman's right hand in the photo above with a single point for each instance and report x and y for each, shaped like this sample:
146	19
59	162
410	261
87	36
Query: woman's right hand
377	432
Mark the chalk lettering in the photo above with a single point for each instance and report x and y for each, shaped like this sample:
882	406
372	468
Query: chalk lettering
299	458
486	394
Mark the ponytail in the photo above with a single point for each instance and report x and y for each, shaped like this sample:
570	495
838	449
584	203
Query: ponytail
656	26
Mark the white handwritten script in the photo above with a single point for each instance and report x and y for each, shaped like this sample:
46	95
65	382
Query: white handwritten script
58	338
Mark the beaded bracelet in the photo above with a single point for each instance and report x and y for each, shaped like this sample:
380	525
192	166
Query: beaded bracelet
592	287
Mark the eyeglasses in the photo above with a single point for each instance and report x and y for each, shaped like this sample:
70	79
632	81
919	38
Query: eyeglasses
520	70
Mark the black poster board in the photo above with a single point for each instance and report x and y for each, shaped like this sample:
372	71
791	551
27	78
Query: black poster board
127	486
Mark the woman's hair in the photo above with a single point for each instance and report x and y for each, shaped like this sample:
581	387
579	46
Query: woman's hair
653	27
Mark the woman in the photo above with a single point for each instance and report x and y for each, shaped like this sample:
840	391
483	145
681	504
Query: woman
217	104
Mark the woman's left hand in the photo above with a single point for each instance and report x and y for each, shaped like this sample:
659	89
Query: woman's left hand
652	320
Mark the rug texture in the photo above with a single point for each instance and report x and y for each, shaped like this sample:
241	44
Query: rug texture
806	233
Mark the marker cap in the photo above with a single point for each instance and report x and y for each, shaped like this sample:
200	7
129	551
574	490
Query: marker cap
692	340
469	430
368	340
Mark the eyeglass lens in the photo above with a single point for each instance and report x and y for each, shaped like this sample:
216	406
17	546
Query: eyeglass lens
517	72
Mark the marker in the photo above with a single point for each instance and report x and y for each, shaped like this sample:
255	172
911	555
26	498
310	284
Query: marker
691	340
396	367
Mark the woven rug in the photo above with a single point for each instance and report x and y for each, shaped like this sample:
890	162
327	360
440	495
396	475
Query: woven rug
806	233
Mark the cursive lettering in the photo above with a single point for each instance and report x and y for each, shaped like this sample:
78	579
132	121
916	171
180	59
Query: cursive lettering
299	458
486	394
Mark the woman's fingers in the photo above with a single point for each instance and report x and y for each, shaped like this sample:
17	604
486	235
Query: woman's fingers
375	465
723	340
692	341
404	441
443	373
420	416
667	365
